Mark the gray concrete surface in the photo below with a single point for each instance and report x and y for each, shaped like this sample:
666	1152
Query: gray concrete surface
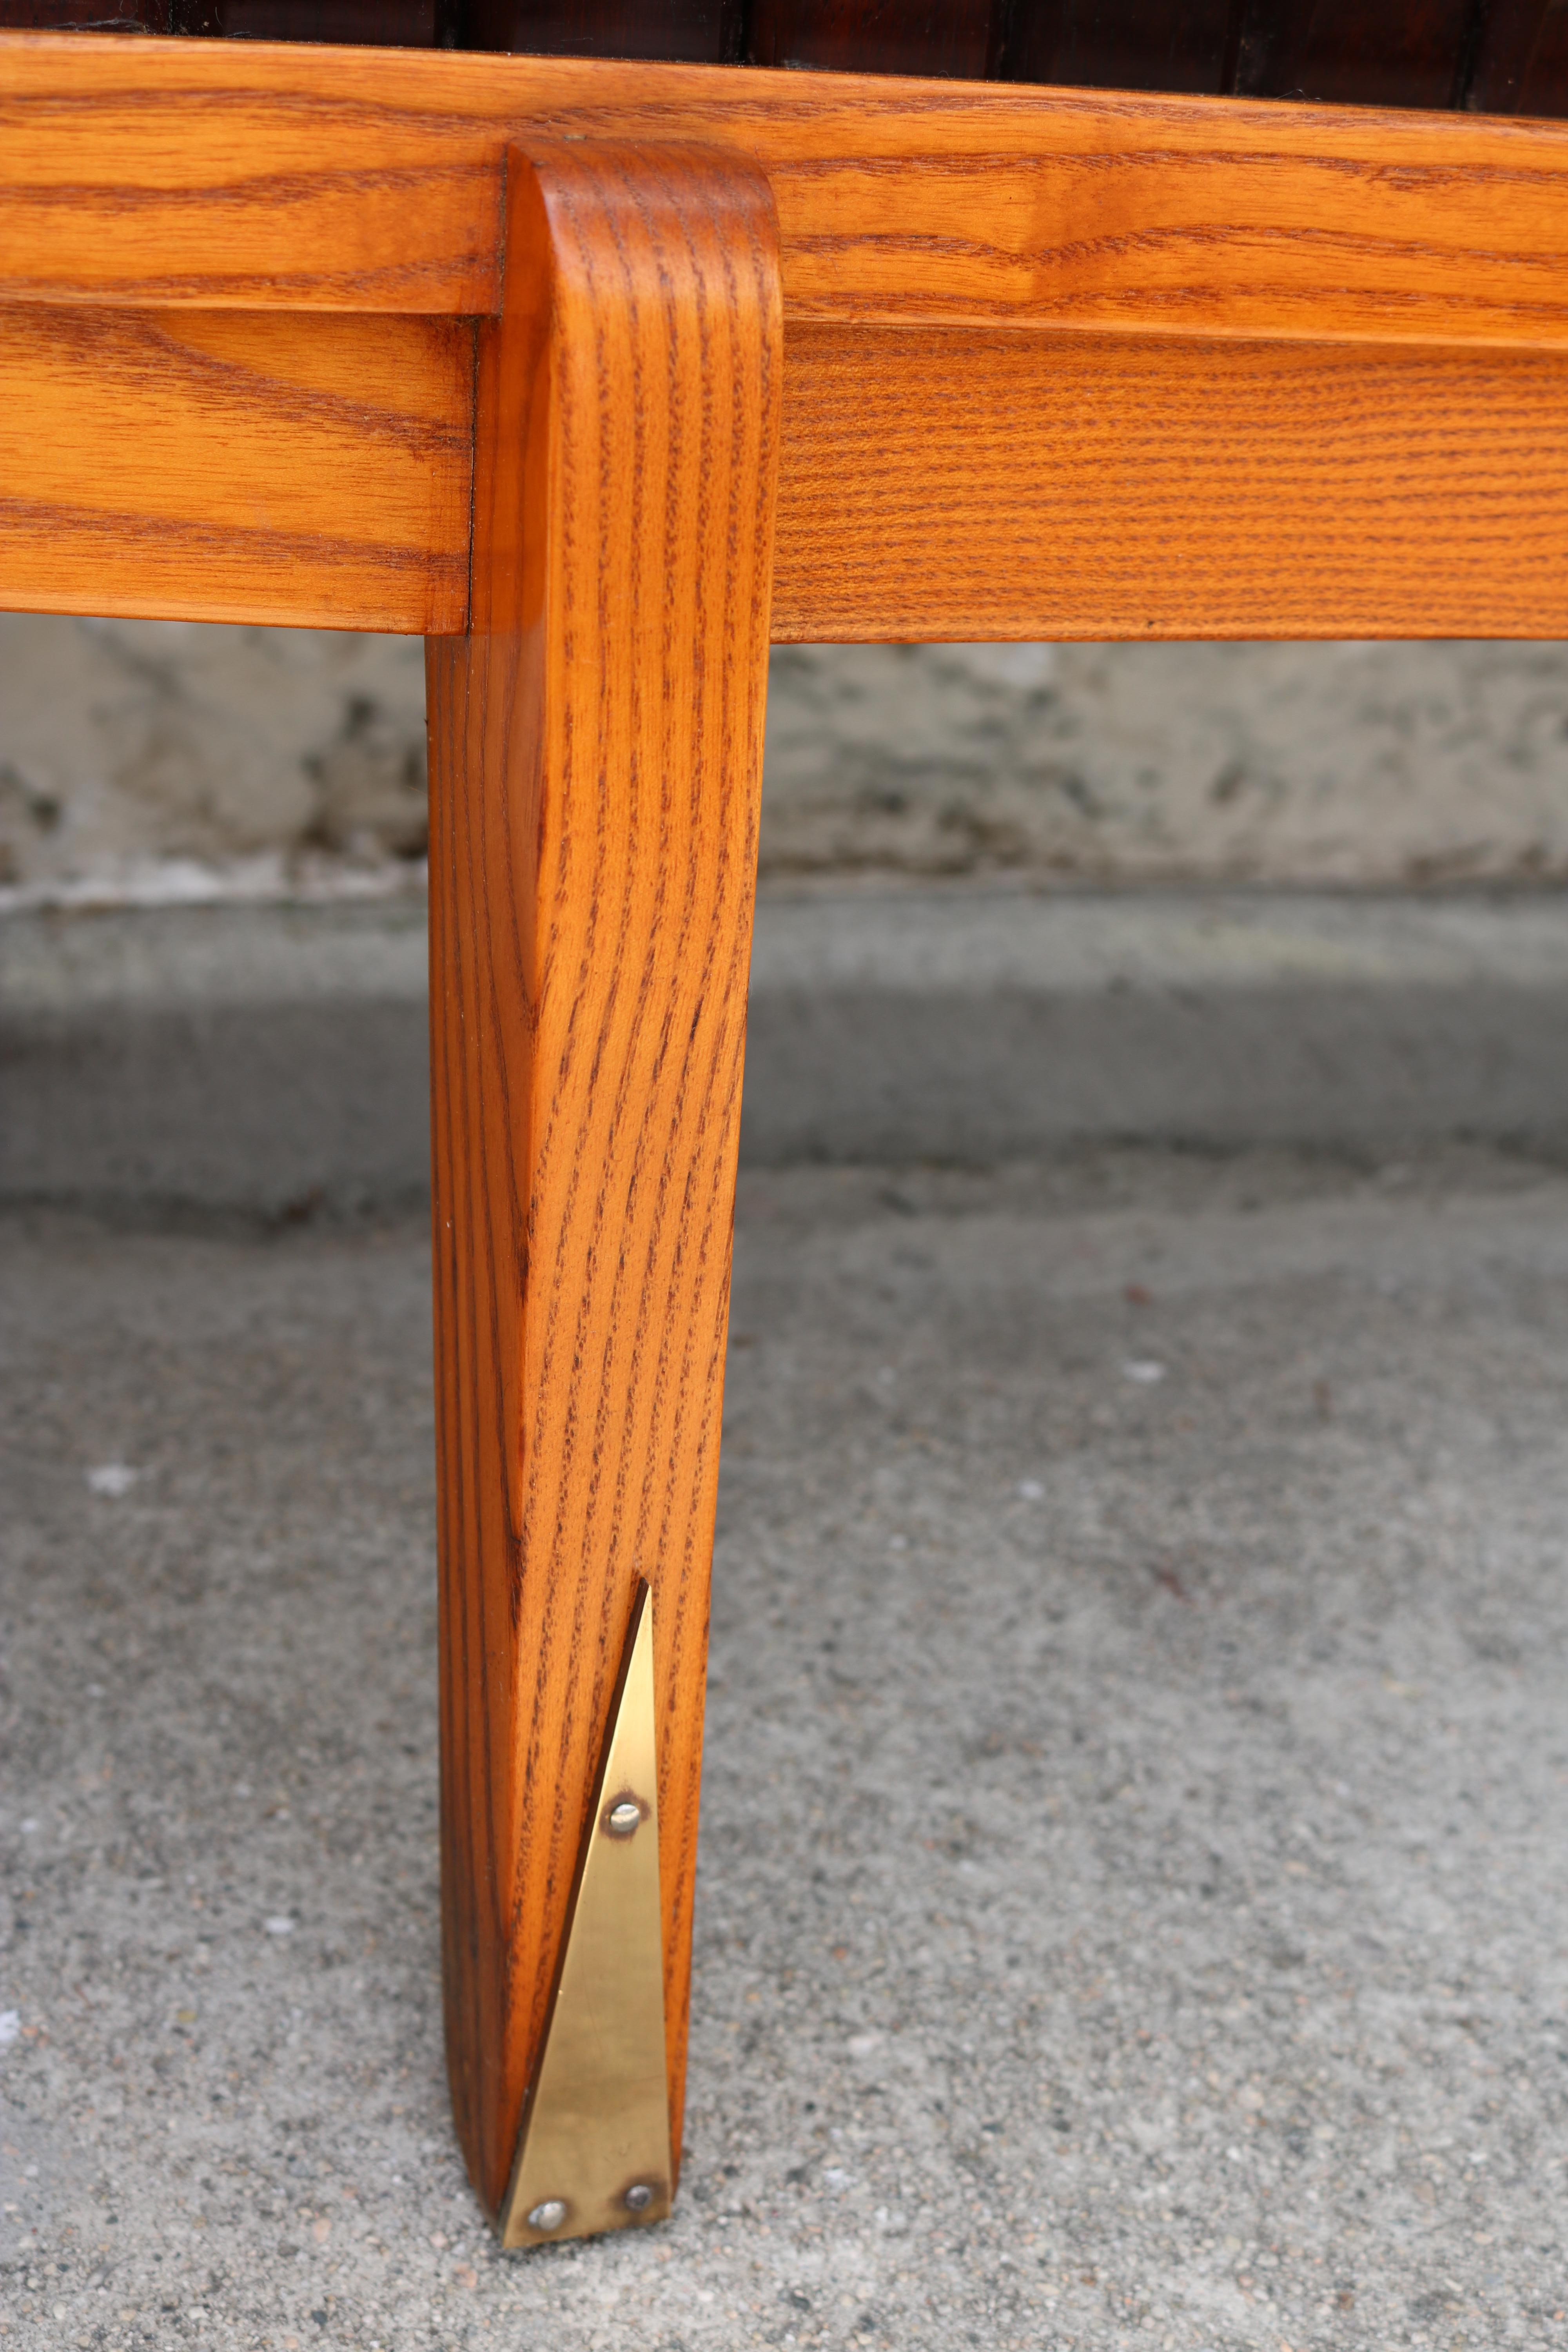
133	753
250	1059
270	1059
1131	1904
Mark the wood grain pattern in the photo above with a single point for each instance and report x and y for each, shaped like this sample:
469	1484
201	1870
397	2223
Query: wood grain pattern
953	485
934	483
596	763
235	466
258	177
939	479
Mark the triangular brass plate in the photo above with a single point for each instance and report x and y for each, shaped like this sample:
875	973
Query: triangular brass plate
594	2153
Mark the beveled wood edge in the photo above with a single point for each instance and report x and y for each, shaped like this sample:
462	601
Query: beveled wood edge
860	113
277	105
301	176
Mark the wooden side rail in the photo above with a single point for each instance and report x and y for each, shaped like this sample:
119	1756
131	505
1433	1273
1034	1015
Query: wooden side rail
1060	365
267	465
278	177
936	483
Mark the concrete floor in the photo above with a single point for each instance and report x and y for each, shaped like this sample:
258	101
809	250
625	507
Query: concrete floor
1131	1908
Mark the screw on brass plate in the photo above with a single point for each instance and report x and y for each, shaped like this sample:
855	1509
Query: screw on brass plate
594	2153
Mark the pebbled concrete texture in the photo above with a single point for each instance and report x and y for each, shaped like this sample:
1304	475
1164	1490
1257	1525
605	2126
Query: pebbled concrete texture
1130	1910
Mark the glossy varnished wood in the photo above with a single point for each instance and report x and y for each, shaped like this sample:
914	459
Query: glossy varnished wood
953	485
1504	56
596	761
313	465
292	178
238	465
936	483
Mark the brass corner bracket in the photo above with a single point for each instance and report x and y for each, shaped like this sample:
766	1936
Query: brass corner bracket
594	2153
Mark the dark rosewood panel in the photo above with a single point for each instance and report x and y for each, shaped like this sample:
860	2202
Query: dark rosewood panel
85	16
959	38
698	32
1356	52
1521	59
1123	44
383	23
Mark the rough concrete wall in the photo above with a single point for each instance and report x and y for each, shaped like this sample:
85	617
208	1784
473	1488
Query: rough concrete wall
125	746
1354	763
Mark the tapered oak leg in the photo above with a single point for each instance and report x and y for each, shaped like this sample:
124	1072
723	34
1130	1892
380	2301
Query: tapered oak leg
596	750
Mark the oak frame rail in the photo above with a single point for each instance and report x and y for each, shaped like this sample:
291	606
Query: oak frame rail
1058	363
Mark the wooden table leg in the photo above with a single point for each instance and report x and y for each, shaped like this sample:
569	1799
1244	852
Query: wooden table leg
596	755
